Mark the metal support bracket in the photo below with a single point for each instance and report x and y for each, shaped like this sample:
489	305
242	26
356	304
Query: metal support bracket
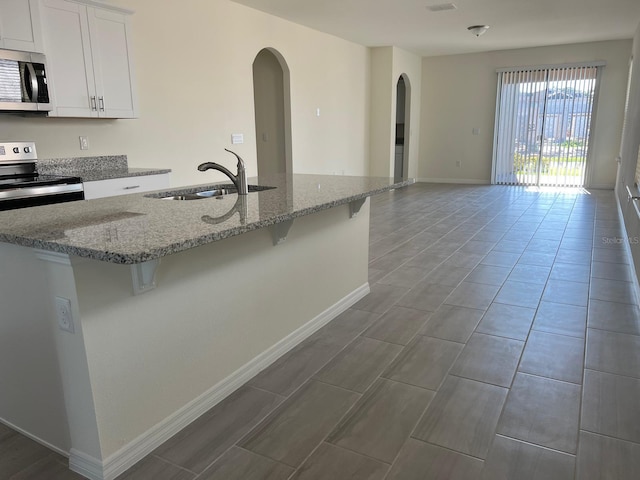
279	231
143	276
355	206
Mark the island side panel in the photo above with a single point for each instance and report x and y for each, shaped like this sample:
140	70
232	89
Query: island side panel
31	398
216	309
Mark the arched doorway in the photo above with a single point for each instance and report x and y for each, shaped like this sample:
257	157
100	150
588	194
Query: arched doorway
272	103
403	115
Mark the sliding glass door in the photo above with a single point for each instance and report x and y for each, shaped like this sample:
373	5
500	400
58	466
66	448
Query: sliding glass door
543	125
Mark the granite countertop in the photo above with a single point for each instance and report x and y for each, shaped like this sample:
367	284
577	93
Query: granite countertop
135	228
93	169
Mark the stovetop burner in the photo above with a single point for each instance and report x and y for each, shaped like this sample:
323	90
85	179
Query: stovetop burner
22	186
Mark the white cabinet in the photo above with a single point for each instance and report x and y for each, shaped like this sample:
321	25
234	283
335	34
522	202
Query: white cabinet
123	186
20	25
89	57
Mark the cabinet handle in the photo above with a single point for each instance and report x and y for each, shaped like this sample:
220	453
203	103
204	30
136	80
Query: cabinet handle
93	103
131	187
101	99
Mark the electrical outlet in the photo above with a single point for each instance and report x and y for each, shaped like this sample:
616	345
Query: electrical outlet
237	138
65	317
84	143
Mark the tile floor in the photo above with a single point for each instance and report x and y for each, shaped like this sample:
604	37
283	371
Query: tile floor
501	340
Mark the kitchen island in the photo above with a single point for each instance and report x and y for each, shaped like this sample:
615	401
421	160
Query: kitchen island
172	305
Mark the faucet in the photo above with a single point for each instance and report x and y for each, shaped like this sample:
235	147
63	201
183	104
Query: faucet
239	180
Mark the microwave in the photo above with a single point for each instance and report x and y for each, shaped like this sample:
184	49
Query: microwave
23	82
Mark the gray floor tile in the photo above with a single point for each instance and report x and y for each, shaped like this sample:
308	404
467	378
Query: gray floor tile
489	359
529	274
426	260
614	317
359	364
382	420
501	259
510	459
610	405
520	294
55	467
463	416
510	246
404	276
452	323
507	321
239	464
424	362
570	293
561	319
419	461
613	291
345	327
489	274
426	296
331	462
199	444
613	352
18	454
447	274
464	260
544	245
537	258
542	411
381	298
291	433
152	467
399	325
295	367
572	255
571	272
553	356
607	458
612	271
472	295
477	246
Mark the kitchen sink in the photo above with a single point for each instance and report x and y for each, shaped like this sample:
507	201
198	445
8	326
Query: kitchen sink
218	192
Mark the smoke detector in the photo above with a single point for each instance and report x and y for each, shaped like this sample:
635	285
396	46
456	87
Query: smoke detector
478	30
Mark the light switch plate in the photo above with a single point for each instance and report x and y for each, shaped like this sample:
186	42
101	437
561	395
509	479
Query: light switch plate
237	138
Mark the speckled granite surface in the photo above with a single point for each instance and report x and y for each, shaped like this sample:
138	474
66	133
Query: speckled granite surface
136	228
92	169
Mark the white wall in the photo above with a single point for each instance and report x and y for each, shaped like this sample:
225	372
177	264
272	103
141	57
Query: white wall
387	64
629	156
459	93
193	64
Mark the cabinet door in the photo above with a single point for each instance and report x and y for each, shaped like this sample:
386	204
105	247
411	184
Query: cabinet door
20	25
111	53
68	50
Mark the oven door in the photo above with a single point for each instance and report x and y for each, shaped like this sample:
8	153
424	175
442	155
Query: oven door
40	195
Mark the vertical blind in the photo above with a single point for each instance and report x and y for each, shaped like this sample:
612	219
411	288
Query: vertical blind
543	123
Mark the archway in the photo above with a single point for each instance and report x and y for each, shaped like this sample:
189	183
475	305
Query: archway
403	116
272	103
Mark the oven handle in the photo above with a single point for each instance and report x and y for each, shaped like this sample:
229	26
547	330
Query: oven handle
33	79
30	192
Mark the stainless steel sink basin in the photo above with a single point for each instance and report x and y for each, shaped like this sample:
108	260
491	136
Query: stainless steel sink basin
213	193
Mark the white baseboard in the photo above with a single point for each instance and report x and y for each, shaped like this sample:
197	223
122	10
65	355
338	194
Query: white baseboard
139	448
465	181
627	247
33	437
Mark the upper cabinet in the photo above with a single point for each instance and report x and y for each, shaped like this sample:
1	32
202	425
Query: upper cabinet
20	25
89	59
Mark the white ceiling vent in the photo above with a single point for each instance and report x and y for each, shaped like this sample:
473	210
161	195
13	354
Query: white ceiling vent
441	7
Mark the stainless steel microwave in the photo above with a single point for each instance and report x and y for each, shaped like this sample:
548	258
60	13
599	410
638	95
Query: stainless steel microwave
23	82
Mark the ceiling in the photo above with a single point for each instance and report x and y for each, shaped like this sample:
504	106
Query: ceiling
408	24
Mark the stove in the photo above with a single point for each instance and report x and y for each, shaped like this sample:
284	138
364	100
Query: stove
22	186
